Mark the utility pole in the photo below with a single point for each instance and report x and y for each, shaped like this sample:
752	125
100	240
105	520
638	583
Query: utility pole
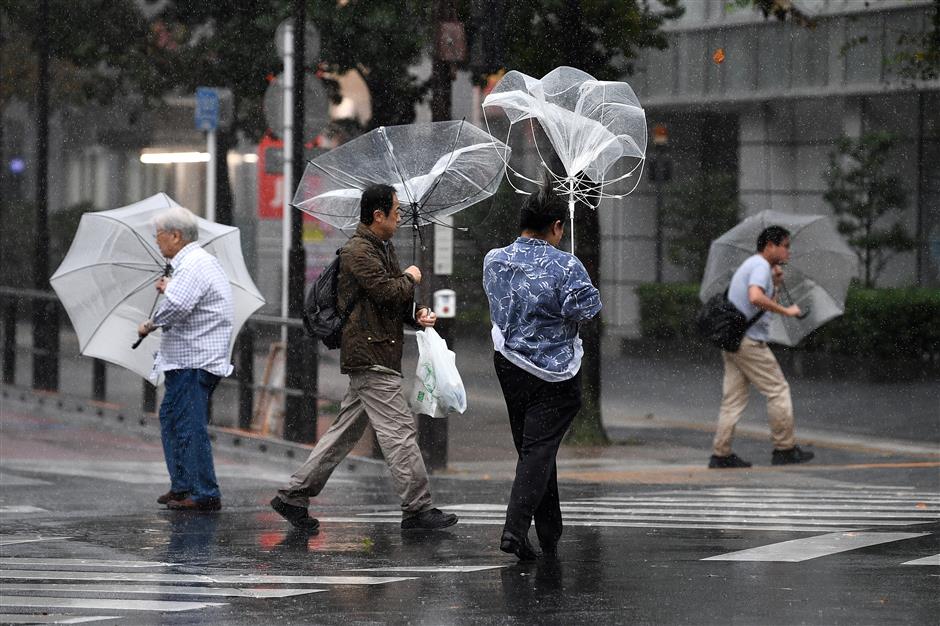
45	312
300	417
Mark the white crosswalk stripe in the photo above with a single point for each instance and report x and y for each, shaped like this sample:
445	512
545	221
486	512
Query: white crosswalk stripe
738	508
117	585
807	548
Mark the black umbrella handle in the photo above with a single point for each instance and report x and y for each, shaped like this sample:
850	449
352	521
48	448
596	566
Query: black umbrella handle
167	271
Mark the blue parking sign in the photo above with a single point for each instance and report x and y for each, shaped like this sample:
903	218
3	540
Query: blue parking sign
207	109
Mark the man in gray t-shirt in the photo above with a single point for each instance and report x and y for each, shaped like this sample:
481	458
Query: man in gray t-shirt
752	290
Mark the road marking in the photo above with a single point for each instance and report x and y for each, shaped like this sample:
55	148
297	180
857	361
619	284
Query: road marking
797	550
97	603
14	480
10	540
26	618
171	590
450	569
17	561
235	579
927	560
20	508
498	521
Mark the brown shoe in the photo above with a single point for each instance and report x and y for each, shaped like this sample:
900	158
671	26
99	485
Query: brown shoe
188	504
169	496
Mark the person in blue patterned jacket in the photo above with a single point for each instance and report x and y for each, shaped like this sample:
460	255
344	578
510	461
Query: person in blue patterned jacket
538	297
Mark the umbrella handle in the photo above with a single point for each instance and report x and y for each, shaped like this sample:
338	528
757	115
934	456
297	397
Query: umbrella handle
137	343
803	314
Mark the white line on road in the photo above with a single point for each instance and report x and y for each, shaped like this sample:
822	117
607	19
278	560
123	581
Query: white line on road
797	550
449	569
234	579
927	560
53	618
94	603
169	590
498	521
17	561
20	508
10	540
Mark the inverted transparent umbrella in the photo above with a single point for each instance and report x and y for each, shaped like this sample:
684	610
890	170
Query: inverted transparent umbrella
595	130
816	278
106	281
436	168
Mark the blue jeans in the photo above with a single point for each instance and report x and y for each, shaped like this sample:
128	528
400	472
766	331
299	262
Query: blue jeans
184	416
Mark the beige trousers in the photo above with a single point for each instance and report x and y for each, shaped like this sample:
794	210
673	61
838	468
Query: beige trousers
377	399
756	365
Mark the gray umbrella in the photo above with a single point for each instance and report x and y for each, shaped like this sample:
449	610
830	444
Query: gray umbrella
816	278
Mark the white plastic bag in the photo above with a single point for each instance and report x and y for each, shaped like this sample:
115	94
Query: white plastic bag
438	386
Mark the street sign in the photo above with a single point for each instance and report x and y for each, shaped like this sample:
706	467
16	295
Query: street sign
207	109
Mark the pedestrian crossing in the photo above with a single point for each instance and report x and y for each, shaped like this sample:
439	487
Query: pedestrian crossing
44	589
739	508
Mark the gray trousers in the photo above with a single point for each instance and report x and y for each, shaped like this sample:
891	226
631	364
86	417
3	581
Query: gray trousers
377	399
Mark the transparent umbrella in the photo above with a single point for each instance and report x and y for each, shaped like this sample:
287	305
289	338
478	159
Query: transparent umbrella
106	281
595	130
436	168
816	278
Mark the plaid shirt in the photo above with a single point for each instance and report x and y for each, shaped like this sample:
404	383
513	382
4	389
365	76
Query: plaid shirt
196	315
538	296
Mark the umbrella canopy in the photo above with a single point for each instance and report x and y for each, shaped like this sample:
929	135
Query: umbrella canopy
436	168
817	276
106	281
596	130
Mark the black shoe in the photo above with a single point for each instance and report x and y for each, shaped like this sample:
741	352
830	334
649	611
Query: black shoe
296	515
511	544
432	519
724	462
793	455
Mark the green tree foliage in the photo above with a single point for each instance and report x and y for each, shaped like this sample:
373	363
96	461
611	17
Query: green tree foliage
865	196
99	49
919	58
697	212
381	39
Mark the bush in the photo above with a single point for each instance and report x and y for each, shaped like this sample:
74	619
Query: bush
880	324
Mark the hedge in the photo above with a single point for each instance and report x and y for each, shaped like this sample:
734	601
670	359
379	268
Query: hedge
878	323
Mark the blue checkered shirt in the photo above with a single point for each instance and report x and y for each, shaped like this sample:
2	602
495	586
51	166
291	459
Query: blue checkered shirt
195	315
538	296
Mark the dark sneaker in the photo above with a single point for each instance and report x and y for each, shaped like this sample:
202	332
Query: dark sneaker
793	455
549	550
172	495
725	462
298	516
188	504
523	550
432	519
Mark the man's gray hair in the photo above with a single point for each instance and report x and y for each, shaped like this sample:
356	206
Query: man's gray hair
180	219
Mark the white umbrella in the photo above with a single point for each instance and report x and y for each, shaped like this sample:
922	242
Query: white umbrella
596	128
106	281
817	276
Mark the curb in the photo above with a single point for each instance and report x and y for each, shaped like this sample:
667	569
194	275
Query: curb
115	417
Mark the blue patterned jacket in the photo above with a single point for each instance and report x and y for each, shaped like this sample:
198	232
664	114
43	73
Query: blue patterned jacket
538	295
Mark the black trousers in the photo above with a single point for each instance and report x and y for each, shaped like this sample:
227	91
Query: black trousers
540	413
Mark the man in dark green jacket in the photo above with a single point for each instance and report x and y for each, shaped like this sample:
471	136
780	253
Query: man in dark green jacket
381	297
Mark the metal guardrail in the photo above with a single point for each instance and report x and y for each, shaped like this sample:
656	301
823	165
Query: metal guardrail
14	301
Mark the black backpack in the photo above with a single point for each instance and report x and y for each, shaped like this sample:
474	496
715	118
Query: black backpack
722	324
321	317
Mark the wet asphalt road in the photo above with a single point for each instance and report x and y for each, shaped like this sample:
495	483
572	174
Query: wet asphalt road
853	540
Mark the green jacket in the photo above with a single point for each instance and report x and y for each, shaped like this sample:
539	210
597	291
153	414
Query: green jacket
384	300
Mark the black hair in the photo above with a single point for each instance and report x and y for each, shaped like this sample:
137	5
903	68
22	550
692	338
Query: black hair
542	209
771	234
375	198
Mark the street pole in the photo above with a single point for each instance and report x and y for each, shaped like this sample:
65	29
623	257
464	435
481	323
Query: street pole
288	137
45	312
300	417
210	175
